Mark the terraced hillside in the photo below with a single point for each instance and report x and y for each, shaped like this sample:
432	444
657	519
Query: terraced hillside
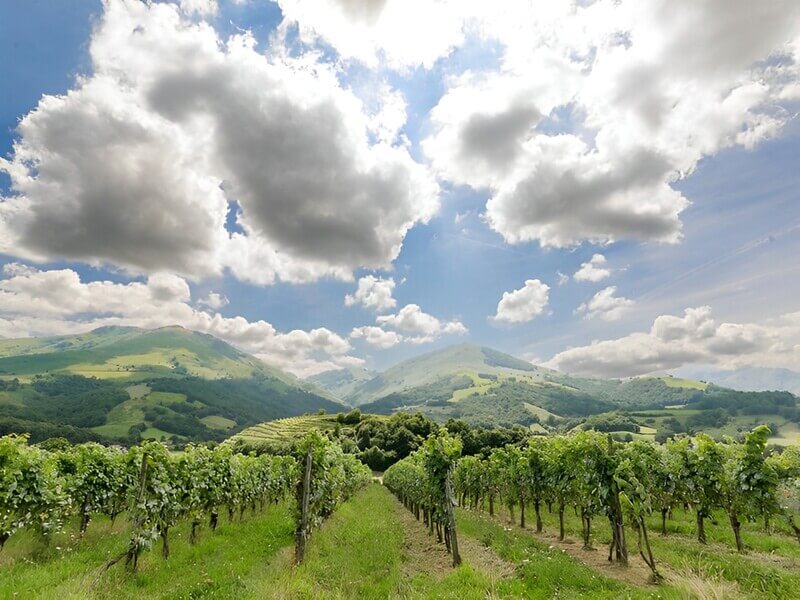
285	430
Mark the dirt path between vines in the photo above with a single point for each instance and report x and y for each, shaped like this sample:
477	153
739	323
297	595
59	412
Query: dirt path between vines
424	554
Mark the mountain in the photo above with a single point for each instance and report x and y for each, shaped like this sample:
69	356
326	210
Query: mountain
462	361
755	379
342	383
125	383
133	353
486	387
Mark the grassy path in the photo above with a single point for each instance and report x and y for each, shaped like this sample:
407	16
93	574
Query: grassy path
373	548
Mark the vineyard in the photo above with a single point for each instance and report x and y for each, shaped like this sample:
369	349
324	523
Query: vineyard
575	502
155	489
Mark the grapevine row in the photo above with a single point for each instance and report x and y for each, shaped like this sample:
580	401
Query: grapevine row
422	482
625	483
156	489
596	477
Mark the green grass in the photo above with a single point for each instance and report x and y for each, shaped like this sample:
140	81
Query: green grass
361	552
218	422
545	572
216	567
769	569
131	412
678	382
543	414
130	353
367	550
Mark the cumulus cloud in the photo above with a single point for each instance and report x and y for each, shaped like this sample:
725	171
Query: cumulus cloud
693	338
204	8
419	326
373	292
598	108
605	305
57	302
523	304
593	270
403	34
375	336
214	300
137	165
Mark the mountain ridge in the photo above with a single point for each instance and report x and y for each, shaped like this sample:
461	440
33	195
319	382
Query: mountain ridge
128	383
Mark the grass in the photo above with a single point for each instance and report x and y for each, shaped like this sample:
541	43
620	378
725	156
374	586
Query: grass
543	414
130	354
131	412
373	548
770	568
788	435
678	382
218	422
363	552
545	572
216	567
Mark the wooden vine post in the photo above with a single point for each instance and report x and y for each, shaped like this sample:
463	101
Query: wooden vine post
301	534
450	502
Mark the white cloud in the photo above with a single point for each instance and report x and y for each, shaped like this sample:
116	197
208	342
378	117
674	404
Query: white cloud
403	34
598	108
605	305
373	292
694	338
204	8
375	336
57	302
594	270
523	304
421	326
214	300
136	165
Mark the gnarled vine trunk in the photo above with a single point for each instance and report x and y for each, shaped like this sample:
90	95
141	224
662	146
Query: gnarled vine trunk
701	528
737	533
537	510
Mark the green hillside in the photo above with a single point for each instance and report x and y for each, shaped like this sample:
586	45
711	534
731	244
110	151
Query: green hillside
488	388
131	353
126	384
467	360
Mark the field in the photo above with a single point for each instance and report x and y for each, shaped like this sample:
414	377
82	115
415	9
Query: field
284	430
131	412
373	548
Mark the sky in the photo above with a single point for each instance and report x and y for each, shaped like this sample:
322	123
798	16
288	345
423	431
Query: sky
607	188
